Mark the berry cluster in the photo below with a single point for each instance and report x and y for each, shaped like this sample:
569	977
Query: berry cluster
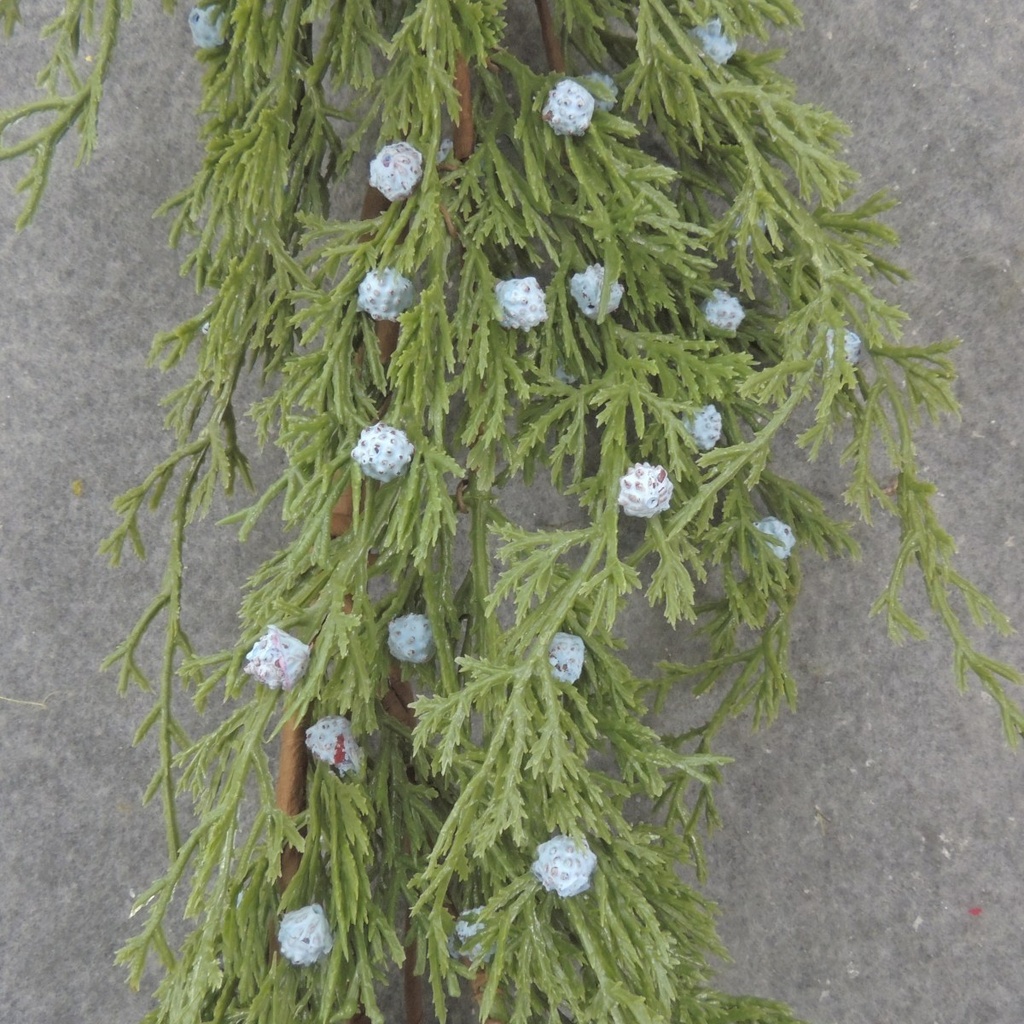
562	865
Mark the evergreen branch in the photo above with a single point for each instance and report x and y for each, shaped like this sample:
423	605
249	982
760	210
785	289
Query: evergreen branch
10	13
78	107
704	177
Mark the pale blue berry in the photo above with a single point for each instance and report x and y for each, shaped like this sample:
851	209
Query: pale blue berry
304	936
723	311
209	27
705	427
852	346
385	294
383	453
779	533
586	288
717	46
460	943
565	655
411	639
607	92
569	108
521	303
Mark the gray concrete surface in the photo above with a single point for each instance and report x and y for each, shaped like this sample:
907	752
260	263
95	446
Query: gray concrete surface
860	833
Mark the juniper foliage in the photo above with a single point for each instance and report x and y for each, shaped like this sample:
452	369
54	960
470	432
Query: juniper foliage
700	177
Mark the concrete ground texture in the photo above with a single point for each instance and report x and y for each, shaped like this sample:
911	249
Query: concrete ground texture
869	868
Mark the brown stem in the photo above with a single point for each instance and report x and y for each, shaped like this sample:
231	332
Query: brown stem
341	514
465	132
477	986
291	789
374	204
552	47
412	986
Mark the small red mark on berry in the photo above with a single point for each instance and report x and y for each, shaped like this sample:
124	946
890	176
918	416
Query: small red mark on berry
339	755
975	911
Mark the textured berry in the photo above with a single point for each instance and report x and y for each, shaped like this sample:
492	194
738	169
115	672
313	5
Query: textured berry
304	936
277	659
605	84
586	288
781	535
396	170
705	427
852	346
645	490
410	638
566	657
383	452
331	740
522	303
208	25
385	294
716	46
563	866
467	927
723	311
569	108
445	149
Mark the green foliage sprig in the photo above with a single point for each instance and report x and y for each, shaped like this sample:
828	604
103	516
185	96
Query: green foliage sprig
701	177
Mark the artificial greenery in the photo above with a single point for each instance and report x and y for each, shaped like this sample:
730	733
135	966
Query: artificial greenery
701	176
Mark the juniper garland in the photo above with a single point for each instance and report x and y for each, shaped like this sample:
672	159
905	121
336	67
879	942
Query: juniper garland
659	158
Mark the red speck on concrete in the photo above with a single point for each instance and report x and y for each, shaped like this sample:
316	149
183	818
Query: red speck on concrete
975	911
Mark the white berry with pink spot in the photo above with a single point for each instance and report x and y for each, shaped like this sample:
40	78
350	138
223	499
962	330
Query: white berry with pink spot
645	490
331	740
278	660
396	170
564	866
